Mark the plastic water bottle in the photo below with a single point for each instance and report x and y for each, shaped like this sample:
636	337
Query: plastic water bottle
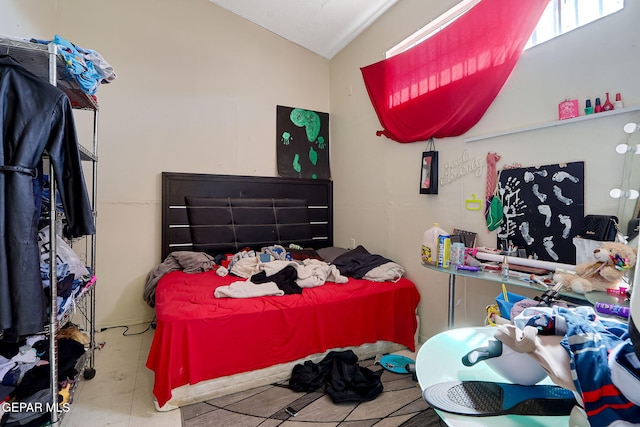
457	253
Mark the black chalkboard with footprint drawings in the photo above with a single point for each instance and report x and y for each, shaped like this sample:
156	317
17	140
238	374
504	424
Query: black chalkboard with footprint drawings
543	209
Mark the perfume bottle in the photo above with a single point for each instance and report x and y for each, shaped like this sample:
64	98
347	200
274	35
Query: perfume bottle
607	106
588	109
504	269
618	104
598	107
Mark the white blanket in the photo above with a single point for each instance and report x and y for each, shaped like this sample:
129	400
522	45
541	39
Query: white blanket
389	272
247	289
311	273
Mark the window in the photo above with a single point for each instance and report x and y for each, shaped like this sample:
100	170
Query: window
560	16
433	27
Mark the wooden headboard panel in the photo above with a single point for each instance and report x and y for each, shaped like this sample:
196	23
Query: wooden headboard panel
176	232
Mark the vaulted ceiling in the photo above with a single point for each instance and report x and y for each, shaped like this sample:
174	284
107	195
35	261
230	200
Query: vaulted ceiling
322	26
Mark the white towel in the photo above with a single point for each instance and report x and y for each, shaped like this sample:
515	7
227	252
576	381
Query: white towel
247	289
315	273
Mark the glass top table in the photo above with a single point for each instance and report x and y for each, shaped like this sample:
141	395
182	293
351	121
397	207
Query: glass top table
440	360
516	279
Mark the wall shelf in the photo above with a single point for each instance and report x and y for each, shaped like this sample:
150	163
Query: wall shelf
552	124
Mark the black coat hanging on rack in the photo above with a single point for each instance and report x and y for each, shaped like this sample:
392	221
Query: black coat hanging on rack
36	117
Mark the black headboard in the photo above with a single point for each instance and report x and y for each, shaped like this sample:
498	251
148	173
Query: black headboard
176	231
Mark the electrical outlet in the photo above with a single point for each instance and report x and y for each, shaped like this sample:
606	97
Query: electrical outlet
352	243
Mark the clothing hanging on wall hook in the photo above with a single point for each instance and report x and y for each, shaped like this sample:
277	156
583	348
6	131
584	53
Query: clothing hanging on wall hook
493	204
492	179
494	213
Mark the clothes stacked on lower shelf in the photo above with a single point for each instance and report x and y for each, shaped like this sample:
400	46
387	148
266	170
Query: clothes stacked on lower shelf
25	376
73	277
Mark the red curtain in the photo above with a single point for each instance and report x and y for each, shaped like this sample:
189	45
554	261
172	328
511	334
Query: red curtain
443	86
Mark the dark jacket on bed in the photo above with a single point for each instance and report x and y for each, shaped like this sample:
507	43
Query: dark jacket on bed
358	262
34	116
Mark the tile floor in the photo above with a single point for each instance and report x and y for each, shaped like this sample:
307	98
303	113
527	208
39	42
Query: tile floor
120	394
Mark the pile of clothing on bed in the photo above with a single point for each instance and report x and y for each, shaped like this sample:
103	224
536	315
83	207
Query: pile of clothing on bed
278	271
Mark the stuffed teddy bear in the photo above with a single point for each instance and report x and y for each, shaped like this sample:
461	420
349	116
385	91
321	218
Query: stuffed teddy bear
613	260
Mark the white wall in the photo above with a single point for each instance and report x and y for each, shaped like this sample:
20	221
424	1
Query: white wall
196	91
376	180
23	19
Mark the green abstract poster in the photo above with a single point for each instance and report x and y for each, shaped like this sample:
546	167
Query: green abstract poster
302	141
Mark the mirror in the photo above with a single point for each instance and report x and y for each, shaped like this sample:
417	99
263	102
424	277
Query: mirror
629	191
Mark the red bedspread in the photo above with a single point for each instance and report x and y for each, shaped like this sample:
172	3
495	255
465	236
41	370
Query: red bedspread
200	337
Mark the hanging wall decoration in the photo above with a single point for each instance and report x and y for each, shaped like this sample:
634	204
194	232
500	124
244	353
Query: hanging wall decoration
543	209
460	167
429	170
302	142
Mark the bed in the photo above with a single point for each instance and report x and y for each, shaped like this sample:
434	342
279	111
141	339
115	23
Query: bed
206	346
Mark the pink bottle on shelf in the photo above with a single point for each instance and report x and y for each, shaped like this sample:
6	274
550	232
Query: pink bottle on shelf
607	106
